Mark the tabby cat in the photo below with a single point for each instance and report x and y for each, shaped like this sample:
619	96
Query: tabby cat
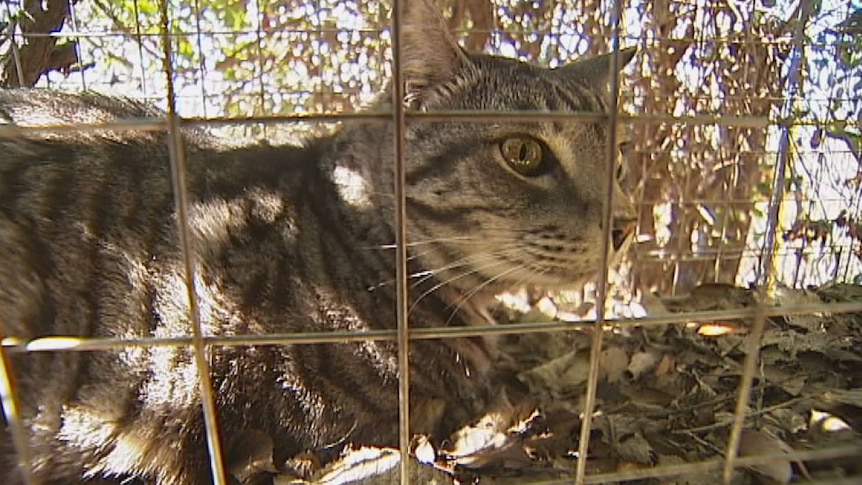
286	239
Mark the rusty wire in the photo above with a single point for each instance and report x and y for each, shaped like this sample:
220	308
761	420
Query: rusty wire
172	124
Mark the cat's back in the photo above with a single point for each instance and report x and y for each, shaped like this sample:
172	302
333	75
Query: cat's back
38	107
65	151
89	233
68	195
57	161
87	207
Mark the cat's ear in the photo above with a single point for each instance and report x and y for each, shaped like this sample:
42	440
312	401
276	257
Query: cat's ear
430	55
594	71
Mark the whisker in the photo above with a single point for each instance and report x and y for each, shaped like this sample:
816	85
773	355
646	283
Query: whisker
480	257
521	281
465	298
454	278
412	244
465	261
424	275
419	241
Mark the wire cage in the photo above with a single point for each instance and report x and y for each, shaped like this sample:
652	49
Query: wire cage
740	124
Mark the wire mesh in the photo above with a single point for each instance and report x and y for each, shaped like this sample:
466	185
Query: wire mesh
690	251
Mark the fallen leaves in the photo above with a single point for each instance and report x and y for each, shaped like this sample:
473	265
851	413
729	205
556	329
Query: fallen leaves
665	398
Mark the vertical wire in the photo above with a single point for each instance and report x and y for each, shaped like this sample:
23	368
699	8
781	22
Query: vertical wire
734	178
140	47
752	357
140	40
12	411
13	45
74	19
607	216
203	66
178	179
8	398
765	272
403	336
260	64
795	71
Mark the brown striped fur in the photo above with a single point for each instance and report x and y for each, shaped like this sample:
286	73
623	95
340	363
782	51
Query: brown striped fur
287	239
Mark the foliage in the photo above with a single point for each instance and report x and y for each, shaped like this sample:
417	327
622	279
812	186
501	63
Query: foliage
824	187
708	78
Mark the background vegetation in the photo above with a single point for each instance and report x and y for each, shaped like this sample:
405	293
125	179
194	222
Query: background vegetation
738	107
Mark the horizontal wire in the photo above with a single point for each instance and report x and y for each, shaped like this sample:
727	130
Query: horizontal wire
71	343
717	464
346	91
160	123
654	41
59	343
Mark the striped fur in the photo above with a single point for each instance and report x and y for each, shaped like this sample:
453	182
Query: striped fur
287	239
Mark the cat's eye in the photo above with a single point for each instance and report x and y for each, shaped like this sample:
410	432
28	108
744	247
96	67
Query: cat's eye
523	154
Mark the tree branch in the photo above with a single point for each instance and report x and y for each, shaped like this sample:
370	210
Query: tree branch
41	53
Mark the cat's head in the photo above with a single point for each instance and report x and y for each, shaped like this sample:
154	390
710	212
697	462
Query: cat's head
507	202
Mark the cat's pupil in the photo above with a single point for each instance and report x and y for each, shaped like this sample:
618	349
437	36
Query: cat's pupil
524	155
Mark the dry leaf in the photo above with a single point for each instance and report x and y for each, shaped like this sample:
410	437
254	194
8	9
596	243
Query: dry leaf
635	449
762	442
371	466
614	362
642	362
568	370
715	329
251	455
666	366
423	450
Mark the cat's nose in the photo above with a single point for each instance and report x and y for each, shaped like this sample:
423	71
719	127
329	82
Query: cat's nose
621	231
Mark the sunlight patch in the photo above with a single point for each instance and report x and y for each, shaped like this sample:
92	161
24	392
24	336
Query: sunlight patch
352	186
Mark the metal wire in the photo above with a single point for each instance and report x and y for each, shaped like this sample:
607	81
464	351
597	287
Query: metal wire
401	274
12	32
8	397
466	116
72	344
181	198
607	223
653	40
12	411
752	357
73	18
200	343
766	274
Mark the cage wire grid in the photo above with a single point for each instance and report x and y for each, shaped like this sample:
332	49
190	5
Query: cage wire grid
171	124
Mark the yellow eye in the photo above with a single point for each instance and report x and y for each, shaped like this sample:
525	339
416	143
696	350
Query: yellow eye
523	154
